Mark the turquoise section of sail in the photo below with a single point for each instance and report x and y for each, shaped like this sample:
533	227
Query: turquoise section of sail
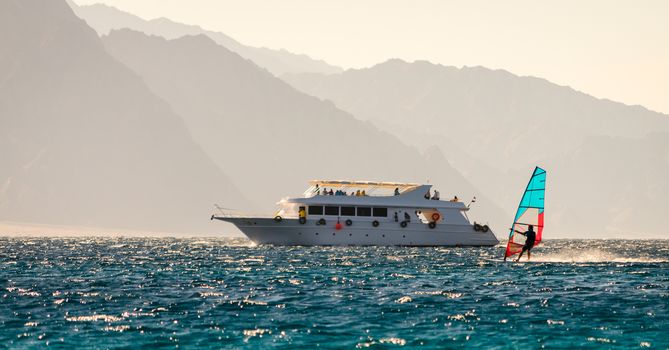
534	193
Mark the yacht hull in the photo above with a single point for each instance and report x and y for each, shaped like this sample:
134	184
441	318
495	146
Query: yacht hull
289	232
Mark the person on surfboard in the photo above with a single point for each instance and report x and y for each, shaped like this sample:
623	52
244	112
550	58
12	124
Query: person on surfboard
530	237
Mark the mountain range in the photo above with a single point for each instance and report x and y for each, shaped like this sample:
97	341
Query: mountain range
138	131
105	18
84	140
270	137
495	127
149	125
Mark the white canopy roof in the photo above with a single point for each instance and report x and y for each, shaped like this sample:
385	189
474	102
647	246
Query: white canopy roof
345	183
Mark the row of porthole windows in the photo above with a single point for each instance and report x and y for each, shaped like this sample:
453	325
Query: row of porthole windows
348	211
350	234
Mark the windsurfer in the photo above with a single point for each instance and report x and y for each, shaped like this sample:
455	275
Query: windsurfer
530	237
530	214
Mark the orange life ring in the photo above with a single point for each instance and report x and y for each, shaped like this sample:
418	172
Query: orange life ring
436	217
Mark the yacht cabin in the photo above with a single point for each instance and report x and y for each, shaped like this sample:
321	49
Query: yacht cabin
371	201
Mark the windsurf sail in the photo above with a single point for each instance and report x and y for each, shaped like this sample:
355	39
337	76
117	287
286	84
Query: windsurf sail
530	212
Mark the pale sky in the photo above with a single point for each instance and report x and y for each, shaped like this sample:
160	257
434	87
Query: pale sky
610	49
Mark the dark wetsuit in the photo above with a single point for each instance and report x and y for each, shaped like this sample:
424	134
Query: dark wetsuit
531	236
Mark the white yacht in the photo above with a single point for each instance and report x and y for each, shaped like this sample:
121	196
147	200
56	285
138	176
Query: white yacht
365	213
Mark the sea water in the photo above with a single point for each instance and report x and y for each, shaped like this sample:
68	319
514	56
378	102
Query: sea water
218	293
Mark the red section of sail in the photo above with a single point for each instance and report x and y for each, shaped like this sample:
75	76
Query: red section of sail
540	228
513	248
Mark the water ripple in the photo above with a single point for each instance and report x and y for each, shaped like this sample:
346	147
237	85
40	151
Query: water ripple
199	293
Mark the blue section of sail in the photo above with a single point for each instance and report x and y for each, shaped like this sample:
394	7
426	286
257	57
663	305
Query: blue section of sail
534	194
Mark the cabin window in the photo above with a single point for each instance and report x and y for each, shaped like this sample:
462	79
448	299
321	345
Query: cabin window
364	211
332	210
315	210
381	212
347	211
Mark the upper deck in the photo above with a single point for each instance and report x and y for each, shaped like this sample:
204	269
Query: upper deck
371	188
411	195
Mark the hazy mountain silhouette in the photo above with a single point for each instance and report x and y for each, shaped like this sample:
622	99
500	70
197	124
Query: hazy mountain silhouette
621	179
105	18
270	137
495	126
84	141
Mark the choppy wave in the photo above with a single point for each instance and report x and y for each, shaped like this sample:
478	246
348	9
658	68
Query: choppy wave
595	256
212	293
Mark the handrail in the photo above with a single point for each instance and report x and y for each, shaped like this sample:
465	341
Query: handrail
234	213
